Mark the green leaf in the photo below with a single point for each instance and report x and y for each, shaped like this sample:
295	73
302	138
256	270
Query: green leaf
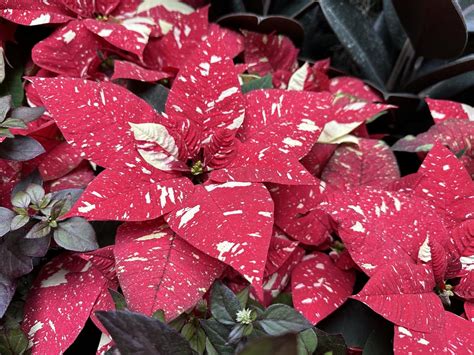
5	106
39	230
21	200
307	342
217	335
13	123
279	319
188	331
260	83
135	333
119	300
76	234
178	322
20	149
243	297
198	341
27	114
210	349
5	132
330	344
236	334
282	345
13	341
19	221
6	217
224	304
359	38
36	193
160	315
13	84
57	209
284	298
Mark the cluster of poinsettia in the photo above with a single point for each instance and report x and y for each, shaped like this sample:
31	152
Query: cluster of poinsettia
251	188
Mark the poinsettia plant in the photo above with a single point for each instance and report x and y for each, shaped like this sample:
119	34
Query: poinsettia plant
171	186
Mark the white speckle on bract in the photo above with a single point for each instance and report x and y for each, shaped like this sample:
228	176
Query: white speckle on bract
95	193
147	198
292	142
69	36
45	18
368	266
86	267
226	93
158	235
405	331
237	122
56	279
358	227
206	67
355	106
229	213
222	248
357	209
230	185
307	301
215	59
104	33
308	125
136	258
141	26
51	324
424	253
86	208
469	111
423	341
437	115
267	286
445	167
265	214
320	266
188	215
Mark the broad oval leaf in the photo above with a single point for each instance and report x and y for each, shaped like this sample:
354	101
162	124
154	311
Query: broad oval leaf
158	270
436	28
319	287
6	217
75	234
20	149
224	304
136	333
279	319
359	38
